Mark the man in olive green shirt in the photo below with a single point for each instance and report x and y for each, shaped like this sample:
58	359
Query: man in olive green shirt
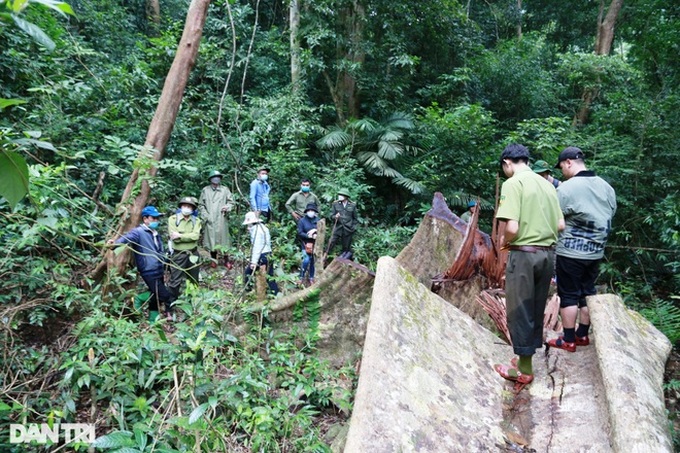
184	229
297	202
531	215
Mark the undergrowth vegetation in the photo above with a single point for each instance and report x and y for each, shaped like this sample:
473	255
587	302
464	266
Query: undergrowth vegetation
396	101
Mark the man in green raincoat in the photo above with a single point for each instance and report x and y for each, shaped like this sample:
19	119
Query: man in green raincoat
214	205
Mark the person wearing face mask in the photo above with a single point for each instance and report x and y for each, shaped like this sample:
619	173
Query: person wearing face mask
344	218
297	203
147	246
307	231
261	250
184	229
259	195
214	205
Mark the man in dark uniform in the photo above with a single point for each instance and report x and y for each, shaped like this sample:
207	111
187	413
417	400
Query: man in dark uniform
344	217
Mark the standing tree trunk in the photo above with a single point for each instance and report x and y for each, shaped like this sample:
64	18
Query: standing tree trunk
605	28
160	128
295	66
349	52
153	14
519	19
603	45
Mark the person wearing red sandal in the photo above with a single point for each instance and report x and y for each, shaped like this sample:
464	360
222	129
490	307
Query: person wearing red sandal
588	204
530	219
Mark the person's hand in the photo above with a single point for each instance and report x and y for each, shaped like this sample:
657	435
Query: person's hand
257	214
110	242
296	216
175	235
337	216
253	266
225	209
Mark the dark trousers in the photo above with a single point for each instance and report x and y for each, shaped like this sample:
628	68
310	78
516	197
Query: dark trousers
343	237
248	274
181	269
159	292
265	216
576	280
527	280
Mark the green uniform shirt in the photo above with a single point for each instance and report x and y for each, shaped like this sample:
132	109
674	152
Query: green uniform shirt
532	201
588	204
299	201
190	229
348	215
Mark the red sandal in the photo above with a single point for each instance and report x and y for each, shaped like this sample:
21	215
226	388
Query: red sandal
521	380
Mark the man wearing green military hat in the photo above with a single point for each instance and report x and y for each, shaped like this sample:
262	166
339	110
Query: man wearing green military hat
542	168
214	205
344	217
184	229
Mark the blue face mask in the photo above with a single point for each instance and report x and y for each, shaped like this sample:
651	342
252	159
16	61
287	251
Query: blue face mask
305	188
153	225
264	177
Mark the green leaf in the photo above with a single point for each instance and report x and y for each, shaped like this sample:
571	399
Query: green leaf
198	413
116	439
19	5
34	32
4	103
37	143
61	7
13	177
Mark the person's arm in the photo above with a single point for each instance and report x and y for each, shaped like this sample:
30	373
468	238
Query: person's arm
301	229
253	195
131	236
258	245
291	205
511	230
202	208
194	234
230	200
561	225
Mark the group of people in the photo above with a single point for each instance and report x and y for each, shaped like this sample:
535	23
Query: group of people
546	220
208	216
184	230
303	206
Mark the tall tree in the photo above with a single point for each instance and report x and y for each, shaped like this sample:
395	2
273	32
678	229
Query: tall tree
603	45
295	65
161	125
605	27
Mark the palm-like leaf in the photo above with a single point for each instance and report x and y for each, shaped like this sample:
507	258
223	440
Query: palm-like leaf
335	139
409	184
389	150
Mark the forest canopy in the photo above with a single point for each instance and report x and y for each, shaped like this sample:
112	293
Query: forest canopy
393	100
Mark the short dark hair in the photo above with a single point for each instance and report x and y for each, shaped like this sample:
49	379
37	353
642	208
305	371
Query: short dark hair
305	180
516	153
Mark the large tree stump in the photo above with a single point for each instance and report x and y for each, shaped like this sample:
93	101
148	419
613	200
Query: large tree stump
334	310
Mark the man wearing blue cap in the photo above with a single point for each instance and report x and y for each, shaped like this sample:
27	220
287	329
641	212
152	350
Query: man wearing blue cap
147	246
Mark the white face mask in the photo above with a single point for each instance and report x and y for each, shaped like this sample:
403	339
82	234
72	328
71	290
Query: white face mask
342	197
187	211
264	177
215	180
311	214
